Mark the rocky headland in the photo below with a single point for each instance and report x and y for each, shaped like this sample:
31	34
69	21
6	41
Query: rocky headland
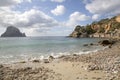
108	28
12	31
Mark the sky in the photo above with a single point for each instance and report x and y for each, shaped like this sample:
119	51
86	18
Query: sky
54	17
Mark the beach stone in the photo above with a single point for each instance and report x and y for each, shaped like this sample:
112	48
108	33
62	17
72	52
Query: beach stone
110	46
22	61
93	67
98	78
27	68
51	58
46	61
1	66
75	55
36	61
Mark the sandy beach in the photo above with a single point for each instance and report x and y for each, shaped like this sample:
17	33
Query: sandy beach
101	65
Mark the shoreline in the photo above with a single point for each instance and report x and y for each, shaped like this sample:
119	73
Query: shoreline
100	65
41	58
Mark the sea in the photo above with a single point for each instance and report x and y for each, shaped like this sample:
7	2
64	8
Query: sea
16	49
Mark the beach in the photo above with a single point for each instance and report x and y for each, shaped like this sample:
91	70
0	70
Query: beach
60	40
100	65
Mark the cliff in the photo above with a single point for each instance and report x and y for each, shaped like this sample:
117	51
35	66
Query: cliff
79	31
12	31
103	28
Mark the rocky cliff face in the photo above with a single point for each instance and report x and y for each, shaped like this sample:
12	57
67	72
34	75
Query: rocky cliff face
13	32
78	32
103	28
118	18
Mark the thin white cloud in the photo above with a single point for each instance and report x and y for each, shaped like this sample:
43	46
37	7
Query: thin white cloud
43	0
103	6
60	1
7	3
75	18
59	10
95	16
78	16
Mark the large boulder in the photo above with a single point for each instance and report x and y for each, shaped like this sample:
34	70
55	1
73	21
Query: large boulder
107	42
12	31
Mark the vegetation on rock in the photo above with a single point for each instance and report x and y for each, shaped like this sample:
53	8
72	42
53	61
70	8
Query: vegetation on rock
104	26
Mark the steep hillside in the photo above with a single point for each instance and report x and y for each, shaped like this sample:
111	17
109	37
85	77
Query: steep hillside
103	28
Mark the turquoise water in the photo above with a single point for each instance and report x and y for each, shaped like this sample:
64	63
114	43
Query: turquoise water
18	49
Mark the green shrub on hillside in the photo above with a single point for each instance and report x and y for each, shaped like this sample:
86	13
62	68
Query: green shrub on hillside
115	25
102	30
80	29
89	30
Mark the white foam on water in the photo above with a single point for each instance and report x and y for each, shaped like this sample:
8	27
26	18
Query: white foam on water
30	57
6	56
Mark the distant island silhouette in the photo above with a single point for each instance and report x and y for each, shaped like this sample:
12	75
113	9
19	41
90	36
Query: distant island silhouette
12	31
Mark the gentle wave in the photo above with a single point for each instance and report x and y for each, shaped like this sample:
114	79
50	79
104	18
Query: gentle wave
27	57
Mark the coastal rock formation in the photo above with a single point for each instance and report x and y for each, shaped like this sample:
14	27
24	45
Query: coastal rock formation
107	42
118	18
78	32
109	27
12	31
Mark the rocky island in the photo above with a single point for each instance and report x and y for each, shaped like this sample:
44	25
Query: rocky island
12	31
109	28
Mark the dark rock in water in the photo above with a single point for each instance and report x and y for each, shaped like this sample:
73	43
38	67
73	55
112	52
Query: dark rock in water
86	45
12	31
91	44
106	42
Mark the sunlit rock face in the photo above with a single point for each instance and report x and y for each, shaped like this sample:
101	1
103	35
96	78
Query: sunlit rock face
118	18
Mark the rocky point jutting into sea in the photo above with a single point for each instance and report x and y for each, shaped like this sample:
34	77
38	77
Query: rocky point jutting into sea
108	28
